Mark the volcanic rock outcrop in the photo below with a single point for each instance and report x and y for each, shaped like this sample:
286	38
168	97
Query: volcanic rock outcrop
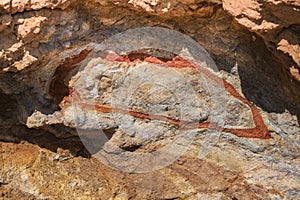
169	120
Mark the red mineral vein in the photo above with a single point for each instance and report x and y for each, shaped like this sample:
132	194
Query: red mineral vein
260	130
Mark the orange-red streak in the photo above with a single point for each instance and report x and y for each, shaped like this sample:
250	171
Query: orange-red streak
259	131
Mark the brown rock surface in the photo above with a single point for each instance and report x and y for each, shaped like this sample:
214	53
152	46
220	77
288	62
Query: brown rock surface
255	45
277	22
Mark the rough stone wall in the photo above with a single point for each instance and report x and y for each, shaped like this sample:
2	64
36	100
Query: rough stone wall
255	45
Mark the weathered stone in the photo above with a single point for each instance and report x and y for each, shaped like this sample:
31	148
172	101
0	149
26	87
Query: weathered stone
149	104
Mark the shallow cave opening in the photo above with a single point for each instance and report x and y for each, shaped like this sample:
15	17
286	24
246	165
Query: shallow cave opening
58	86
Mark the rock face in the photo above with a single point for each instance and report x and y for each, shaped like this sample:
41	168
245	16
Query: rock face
277	22
149	99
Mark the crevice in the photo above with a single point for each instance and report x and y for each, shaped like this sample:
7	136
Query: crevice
131	148
58	88
44	139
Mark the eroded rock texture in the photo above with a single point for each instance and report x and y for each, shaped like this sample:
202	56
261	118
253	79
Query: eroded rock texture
57	88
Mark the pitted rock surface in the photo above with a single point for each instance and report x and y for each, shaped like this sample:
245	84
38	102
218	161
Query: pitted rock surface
249	150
